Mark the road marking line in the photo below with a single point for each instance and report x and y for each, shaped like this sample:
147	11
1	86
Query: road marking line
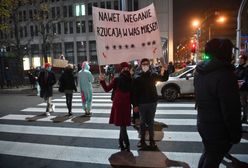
107	111
110	105
91	155
99	120
97	133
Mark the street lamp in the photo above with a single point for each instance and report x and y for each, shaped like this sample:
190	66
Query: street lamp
197	25
219	20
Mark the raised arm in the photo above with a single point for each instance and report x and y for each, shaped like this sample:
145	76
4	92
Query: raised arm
106	87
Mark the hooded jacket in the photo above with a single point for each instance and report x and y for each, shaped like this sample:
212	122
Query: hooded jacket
46	81
217	102
85	78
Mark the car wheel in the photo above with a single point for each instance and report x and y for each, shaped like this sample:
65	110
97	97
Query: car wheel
170	94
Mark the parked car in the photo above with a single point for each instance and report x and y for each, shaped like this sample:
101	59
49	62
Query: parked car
179	83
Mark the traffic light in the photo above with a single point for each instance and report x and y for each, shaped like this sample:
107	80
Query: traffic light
206	57
193	47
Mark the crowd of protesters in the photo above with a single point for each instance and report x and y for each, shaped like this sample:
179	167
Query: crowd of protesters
221	92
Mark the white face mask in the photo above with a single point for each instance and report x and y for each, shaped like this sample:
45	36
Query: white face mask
145	68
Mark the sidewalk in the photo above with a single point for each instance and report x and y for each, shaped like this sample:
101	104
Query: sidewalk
28	90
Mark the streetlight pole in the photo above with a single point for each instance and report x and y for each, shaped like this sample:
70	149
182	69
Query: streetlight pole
238	36
209	32
198	34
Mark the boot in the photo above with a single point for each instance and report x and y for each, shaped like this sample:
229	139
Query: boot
142	144
153	144
121	145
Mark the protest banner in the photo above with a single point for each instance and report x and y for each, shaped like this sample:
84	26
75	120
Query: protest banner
60	63
126	36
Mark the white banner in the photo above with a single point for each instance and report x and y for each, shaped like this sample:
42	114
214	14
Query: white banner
126	36
60	63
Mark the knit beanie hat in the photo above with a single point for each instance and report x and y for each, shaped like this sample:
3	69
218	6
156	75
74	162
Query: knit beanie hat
124	64
47	65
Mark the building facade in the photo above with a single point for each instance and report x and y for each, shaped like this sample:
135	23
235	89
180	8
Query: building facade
66	28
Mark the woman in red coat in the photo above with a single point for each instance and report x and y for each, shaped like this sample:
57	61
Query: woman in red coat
121	107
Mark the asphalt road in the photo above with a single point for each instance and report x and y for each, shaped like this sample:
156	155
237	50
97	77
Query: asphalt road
29	139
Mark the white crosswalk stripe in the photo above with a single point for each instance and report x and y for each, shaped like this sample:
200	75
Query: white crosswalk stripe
102	120
109	105
180	115
107	111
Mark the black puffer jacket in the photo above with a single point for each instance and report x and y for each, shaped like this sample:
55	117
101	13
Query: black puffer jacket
67	80
144	89
46	83
217	102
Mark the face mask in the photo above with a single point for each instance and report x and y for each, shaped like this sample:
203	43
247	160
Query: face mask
145	68
49	68
126	72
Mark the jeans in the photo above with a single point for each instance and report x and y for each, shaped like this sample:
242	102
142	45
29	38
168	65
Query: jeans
68	101
243	100
123	137
213	155
48	100
147	114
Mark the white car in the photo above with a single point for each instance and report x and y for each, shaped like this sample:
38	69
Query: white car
179	83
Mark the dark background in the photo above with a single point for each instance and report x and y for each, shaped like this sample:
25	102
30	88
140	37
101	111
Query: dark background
186	10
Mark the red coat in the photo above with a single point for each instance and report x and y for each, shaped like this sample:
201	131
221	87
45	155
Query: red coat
121	107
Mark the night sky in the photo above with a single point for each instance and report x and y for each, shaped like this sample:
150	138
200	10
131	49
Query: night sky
186	10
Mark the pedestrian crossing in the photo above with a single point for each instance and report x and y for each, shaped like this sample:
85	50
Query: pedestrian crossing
91	142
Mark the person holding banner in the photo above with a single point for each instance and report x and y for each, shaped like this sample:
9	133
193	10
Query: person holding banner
121	107
145	98
46	81
85	80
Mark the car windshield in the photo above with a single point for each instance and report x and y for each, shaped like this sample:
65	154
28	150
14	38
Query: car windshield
180	71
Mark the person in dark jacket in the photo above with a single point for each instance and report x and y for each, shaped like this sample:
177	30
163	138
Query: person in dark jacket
67	83
242	76
145	98
217	103
121	107
171	68
46	81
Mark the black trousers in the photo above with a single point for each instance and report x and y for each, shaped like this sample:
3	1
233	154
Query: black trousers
123	137
68	101
213	154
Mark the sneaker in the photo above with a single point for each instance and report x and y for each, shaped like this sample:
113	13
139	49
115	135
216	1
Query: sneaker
47	114
53	108
142	144
88	114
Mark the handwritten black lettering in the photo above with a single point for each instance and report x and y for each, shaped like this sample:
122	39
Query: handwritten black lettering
137	17
149	28
111	32
110	17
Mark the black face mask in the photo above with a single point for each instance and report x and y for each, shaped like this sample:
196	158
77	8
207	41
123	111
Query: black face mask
126	73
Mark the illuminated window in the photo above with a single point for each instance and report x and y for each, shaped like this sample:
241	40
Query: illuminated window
36	61
26	64
80	10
